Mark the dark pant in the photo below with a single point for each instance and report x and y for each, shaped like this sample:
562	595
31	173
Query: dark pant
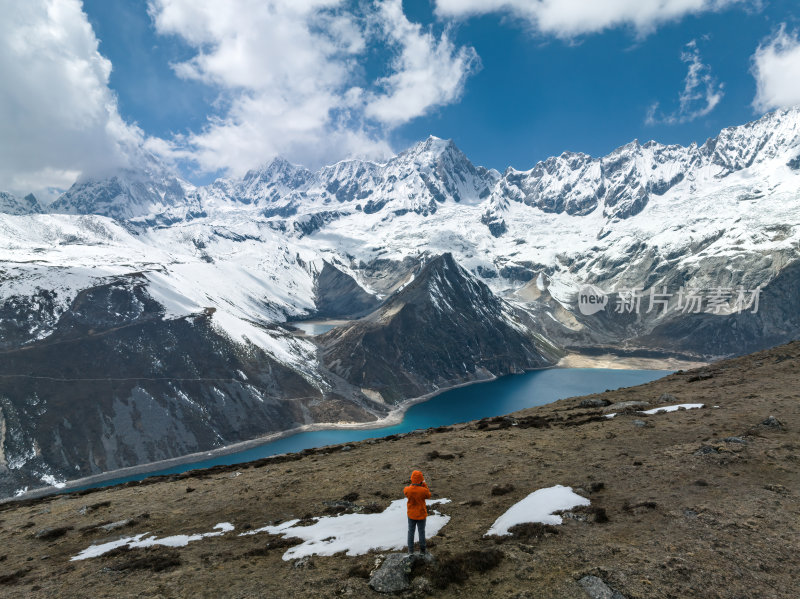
420	526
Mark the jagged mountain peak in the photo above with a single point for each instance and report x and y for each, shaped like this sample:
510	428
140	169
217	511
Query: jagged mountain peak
624	181
277	167
444	284
11	204
774	135
275	178
432	150
139	191
393	350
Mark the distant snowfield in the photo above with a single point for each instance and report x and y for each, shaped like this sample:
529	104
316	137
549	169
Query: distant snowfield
538	507
356	534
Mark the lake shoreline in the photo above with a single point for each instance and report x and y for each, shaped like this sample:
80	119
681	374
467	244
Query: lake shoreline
394	417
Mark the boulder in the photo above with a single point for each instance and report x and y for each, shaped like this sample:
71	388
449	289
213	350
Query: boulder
597	589
594	403
394	574
706	450
48	534
667	398
735	440
115	525
772	422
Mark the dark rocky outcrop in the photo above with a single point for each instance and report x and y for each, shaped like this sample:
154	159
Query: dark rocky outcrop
337	295
679	333
776	321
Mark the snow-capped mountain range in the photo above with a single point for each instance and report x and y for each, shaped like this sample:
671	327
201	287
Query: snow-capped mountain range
240	259
253	246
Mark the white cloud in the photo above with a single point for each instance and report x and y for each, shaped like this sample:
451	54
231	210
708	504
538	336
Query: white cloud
776	68
58	117
427	72
292	80
569	18
700	95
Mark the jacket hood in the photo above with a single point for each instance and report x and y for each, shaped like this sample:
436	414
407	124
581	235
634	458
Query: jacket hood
416	477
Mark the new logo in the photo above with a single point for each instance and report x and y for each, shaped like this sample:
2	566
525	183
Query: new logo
591	300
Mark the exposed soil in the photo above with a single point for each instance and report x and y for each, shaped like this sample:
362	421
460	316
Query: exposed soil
626	362
678	507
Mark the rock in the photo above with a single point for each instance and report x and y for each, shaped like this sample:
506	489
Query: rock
347	448
772	422
422	586
88	509
780	489
703	376
622	405
594	403
502	489
667	398
735	440
639	423
597	589
580	517
115	525
304	563
48	534
394	574
706	450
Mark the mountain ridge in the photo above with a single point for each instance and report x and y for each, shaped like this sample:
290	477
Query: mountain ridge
278	177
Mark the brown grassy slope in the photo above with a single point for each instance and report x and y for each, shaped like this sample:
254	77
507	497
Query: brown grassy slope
681	524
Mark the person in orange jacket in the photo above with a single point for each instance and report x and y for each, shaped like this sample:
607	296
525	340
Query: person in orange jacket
417	492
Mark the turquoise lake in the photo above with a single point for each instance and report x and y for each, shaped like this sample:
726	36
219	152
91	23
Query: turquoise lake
495	398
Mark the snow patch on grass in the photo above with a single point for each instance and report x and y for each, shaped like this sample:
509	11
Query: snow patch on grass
137	541
658	410
676	407
354	533
538	507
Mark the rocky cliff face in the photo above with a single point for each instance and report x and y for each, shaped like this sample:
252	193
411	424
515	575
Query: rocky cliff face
116	384
338	295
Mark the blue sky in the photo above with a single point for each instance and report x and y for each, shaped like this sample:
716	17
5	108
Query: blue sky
218	87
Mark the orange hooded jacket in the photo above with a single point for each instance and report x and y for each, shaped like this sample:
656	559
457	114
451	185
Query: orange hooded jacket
417	492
